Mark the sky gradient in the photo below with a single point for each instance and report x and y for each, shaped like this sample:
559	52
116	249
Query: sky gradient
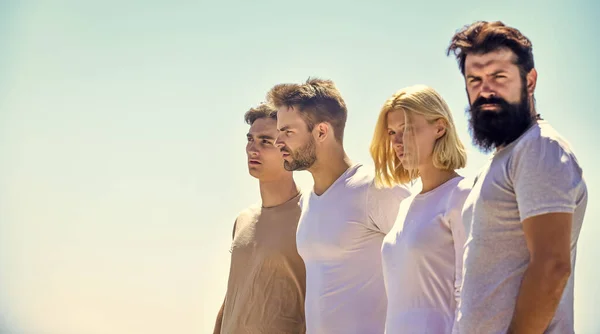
122	137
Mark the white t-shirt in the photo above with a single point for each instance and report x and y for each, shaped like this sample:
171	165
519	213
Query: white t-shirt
339	238
536	174
422	260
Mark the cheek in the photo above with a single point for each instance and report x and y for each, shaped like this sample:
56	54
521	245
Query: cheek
296	142
424	143
471	92
509	90
272	155
289	141
515	94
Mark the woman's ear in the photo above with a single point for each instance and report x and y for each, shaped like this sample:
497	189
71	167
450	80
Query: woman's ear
440	128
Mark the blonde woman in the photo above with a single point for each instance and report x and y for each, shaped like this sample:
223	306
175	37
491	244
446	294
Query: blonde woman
415	137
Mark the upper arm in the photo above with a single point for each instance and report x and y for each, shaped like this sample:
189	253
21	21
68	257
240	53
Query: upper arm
383	205
546	178
548	237
458	230
547	181
455	209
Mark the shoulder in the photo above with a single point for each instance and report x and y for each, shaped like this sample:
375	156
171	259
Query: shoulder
372	189
543	137
397	193
544	144
247	215
361	177
356	182
460	192
464	185
249	211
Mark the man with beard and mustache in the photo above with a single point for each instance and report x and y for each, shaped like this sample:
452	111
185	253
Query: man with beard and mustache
526	209
345	216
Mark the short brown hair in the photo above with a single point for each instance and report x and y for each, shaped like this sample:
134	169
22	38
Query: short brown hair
483	37
317	100
263	110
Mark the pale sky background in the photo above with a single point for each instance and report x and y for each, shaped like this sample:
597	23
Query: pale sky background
122	164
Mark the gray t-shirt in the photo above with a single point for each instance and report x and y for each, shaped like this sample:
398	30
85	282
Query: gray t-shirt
536	174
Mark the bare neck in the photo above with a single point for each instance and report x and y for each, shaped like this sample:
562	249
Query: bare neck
331	164
432	177
277	192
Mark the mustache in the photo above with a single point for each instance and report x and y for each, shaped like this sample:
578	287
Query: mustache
489	100
284	149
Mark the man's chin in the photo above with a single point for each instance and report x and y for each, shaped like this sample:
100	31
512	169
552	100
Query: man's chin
254	171
288	166
291	166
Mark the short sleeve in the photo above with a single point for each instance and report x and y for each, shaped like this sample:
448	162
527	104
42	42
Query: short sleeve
546	177
233	231
233	236
458	230
383	205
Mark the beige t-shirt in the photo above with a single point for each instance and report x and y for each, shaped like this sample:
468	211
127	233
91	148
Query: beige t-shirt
267	278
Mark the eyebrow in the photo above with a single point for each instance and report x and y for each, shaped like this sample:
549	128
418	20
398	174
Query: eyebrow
498	72
249	135
285	128
471	76
399	125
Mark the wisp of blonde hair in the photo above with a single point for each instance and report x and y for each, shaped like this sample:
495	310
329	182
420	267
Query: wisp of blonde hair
449	153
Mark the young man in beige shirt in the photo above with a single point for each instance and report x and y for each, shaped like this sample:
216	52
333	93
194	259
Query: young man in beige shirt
266	287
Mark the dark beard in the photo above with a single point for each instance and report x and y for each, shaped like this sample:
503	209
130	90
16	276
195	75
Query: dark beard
303	158
491	129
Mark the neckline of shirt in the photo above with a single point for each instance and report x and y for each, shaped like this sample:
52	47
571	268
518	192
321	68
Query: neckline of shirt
282	205
439	188
344	175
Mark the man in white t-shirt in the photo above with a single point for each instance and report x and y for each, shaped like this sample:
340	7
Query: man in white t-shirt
345	216
527	206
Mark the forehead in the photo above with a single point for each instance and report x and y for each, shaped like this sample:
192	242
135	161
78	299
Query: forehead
266	126
288	116
395	117
502	58
400	117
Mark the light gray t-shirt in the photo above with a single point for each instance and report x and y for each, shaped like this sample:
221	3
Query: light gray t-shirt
536	174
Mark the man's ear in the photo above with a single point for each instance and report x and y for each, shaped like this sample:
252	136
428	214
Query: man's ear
322	131
531	81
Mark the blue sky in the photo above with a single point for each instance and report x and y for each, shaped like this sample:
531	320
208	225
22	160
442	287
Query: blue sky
122	136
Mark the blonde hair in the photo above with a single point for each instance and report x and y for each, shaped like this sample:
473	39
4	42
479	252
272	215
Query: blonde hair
449	153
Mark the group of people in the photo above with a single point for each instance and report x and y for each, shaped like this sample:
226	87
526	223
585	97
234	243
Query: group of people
362	253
